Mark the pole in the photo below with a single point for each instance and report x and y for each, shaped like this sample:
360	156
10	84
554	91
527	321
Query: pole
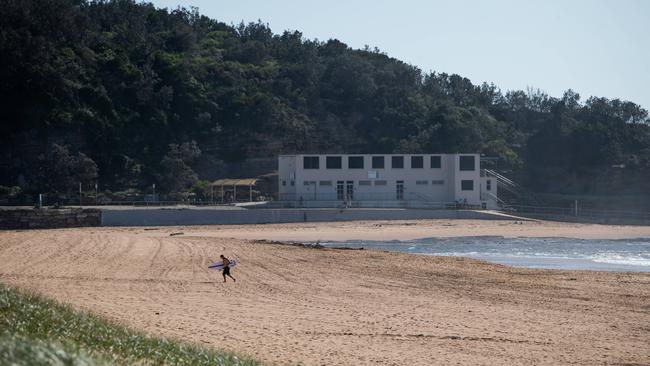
153	187
575	207
212	193
79	194
250	193
40	200
96	194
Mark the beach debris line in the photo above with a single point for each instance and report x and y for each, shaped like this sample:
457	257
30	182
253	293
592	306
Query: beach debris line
316	245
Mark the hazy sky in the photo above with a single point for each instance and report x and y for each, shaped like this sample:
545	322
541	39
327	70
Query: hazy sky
594	47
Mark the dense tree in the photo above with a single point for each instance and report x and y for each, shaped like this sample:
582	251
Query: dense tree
125	85
61	171
176	171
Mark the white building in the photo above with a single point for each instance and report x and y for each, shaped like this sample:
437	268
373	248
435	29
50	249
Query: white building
401	180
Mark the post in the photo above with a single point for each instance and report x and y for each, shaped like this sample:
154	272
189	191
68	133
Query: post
575	207
234	193
40	200
96	193
212	193
222	194
79	194
250	193
153	187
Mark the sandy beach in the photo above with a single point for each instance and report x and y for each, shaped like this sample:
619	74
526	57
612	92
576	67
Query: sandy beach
294	305
416	229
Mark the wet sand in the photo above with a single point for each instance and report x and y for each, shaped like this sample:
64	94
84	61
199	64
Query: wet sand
292	304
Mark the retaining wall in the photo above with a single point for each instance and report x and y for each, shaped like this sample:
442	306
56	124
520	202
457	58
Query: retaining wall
48	218
194	216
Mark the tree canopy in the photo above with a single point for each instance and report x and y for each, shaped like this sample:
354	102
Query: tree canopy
130	94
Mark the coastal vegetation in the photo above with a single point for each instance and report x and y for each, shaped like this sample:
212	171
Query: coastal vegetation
129	95
39	331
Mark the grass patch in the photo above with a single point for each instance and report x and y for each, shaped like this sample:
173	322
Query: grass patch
39	331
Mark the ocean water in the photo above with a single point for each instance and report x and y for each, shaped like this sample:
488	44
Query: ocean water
556	253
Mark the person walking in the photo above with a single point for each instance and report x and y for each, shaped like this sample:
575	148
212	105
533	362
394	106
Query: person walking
226	269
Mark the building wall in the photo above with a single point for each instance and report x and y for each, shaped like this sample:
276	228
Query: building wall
489	196
428	184
473	197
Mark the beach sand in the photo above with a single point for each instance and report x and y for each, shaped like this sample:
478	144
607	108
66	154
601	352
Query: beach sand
293	304
415	229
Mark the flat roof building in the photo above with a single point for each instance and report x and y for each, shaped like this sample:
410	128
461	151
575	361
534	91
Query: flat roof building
367	180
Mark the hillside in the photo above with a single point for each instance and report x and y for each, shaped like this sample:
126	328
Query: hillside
125	94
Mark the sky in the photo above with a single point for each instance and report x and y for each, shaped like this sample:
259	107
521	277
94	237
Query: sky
599	48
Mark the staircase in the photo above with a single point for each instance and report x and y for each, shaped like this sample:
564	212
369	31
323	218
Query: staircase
512	193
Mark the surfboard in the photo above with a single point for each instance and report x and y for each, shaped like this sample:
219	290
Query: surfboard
219	265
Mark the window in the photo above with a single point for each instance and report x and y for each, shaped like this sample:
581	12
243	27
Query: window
437	182
488	184
421	182
293	183
467	163
355	162
380	183
435	162
397	162
364	182
310	162
333	162
466	185
284	183
309	183
417	162
378	162
325	183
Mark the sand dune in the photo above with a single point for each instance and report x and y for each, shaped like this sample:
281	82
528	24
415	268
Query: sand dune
340	307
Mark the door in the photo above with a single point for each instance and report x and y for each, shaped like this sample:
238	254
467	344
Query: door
399	190
311	189
349	190
340	193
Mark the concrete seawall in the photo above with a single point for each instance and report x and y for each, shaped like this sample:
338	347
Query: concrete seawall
198	216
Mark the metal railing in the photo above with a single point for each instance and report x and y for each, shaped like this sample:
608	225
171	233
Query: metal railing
141	203
91	198
362	199
505	184
578	212
48	201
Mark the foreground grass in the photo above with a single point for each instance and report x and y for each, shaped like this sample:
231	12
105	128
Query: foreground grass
38	331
